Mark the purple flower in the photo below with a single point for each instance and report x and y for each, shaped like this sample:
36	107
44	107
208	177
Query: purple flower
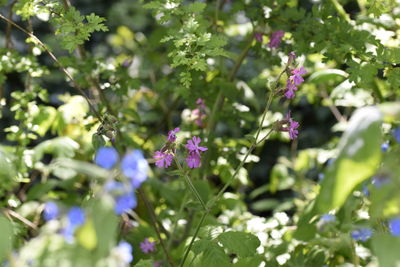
125	252
193	160
172	136
125	203
384	147
276	39
193	146
258	36
50	211
291	87
296	77
394	226
106	157
293	125
157	263
163	160
362	234
396	134
380	180
146	246
135	166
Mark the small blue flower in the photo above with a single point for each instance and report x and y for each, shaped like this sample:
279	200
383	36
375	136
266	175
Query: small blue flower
384	147
125	203
362	234
125	251
50	211
394	226
106	157
76	216
135	166
330	161
328	218
380	180
396	134
116	187
365	189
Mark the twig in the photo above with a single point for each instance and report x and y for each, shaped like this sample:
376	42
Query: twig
22	219
75	85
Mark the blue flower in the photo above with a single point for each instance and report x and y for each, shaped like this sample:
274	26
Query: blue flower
362	234
135	166
125	203
384	147
394	226
125	251
396	134
380	180
106	157
50	211
76	216
116	187
328	218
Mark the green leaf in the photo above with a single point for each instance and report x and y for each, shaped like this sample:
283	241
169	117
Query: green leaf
144	263
59	147
70	165
358	159
212	255
86	235
386	248
327	75
239	243
6	237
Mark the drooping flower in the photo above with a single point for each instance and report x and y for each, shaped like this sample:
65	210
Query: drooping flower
258	36
50	211
296	77
172	136
125	203
106	157
193	160
124	251
396	134
362	234
146	246
193	146
135	167
199	113
290	89
163	160
276	39
394	226
291	58
291	126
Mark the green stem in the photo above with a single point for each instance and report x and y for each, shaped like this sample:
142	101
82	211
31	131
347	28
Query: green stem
194	237
340	10
190	184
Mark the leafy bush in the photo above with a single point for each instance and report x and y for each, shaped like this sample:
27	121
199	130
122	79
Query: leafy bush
200	133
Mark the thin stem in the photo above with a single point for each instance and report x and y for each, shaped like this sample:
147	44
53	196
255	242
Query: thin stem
154	222
340	10
194	237
21	218
175	224
190	184
66	72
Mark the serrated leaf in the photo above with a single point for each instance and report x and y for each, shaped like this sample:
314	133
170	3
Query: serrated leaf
239	243
212	255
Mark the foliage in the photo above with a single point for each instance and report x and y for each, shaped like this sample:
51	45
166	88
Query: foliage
200	133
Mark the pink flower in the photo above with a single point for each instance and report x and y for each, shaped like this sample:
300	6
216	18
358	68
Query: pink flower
296	77
193	160
146	246
292	126
157	263
276	39
258	36
163	160
291	87
172	136
193	146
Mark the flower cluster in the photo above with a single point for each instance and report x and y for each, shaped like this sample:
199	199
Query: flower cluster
163	158
291	126
276	39
134	166
193	159
294	81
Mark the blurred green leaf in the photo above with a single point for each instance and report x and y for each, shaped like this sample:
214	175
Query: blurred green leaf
6	237
239	243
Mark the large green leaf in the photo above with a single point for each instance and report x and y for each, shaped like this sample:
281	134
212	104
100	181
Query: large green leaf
327	75
6	237
212	255
239	243
358	159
